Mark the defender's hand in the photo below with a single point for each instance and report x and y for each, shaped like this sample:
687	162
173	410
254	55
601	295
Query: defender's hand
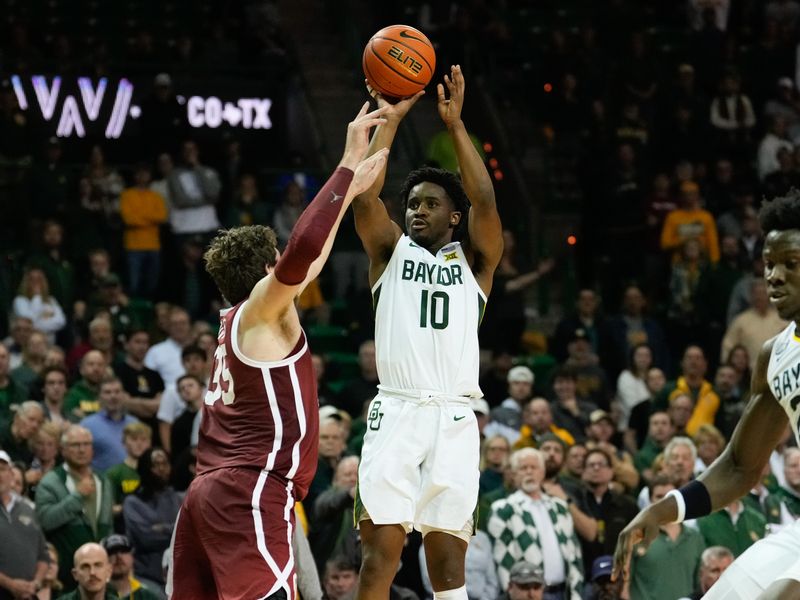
357	142
368	170
397	110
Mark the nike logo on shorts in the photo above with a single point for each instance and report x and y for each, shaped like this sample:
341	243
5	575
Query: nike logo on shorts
459	418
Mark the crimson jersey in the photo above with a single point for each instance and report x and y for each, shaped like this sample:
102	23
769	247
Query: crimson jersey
262	415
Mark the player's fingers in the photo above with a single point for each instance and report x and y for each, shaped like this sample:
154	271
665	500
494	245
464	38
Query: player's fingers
415	97
440	92
378	112
363	110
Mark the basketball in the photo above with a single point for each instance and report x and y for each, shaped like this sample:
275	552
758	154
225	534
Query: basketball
399	61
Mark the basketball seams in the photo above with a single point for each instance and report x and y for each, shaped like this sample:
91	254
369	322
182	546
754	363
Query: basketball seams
417	52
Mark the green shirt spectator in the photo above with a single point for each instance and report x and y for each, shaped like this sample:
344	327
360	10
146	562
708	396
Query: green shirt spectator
668	569
736	527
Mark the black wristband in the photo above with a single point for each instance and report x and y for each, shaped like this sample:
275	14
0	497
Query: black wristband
698	502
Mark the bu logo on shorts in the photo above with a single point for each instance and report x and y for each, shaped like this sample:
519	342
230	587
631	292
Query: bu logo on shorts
375	416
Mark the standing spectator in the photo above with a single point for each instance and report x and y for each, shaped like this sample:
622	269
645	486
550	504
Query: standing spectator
774	140
11	393
785	105
754	326
195	363
633	327
668	568
35	303
103	202
528	521
732	115
143	386
590	378
107	425
612	510
692	381
124	477
54	389
81	400
142	211
587	316
494	383
73	503
779	182
194	189
150	515
247	207
569	411
690	222
23	552
119	550
165	357
631	385
163	118
682	314
52	260
331	448
333	512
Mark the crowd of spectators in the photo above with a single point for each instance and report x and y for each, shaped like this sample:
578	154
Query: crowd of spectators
112	319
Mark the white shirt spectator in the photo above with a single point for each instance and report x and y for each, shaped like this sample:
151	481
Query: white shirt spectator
721	9
165	358
768	154
46	315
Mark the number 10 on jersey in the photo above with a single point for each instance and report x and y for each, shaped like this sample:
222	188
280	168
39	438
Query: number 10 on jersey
434	308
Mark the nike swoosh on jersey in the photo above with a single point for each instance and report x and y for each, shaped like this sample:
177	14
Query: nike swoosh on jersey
404	34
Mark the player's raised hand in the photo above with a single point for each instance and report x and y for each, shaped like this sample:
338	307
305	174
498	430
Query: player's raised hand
396	109
450	106
641	531
368	170
357	141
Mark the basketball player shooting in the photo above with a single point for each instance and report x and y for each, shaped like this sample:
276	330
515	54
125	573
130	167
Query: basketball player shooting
769	569
257	451
419	466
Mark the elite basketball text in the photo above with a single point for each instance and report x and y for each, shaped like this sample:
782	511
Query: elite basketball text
407	61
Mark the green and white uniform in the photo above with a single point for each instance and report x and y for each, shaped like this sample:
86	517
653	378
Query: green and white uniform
419	464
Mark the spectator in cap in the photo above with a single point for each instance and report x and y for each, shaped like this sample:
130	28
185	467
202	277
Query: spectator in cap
784	104
23	552
602	587
525	582
506	419
119	550
601	433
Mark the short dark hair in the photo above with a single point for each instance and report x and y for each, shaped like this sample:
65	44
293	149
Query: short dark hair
187	376
339	563
193	350
236	258
781	213
600	451
452	187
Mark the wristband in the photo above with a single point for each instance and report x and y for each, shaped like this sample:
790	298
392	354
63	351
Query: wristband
681	505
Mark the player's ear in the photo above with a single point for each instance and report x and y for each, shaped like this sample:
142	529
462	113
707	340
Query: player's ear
455	219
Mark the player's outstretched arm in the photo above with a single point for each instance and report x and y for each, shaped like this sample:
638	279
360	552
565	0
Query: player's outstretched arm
313	234
485	229
377	231
731	476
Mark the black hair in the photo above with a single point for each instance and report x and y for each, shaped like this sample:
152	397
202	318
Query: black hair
193	350
452	187
782	213
149	484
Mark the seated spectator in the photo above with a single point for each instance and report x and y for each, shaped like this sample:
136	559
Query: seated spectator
58	271
16	436
782	507
124	477
35	302
34	354
480	576
107	425
331	449
54	388
713	562
709	443
23	554
736	527
494	383
91	572
73	503
142	211
495	450
755	326
507	417
732	400
165	357
191	391
51	586
640	415
514	540
537	419
661	572
569	411
631	386
602	588
11	393
680	412
100	339
124	313
774	140
480	408
81	399
150	515
194	190
172	406
357	392
45	445
587	316
599	434
21	328
590	379
333	512
119	550
633	327
692	381
660	431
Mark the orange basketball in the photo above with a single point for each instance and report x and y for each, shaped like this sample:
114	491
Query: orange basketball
399	61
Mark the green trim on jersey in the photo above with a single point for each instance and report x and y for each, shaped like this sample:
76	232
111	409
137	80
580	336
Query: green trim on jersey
358	506
376	295
481	309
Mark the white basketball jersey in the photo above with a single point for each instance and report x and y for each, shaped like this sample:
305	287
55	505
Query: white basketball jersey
427	312
783	373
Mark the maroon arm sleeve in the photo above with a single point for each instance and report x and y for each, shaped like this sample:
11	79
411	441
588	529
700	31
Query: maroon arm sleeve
312	229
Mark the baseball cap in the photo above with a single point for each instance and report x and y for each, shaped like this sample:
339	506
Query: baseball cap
116	543
479	405
520	373
599	415
163	79
601	567
550	437
785	82
524	572
5	457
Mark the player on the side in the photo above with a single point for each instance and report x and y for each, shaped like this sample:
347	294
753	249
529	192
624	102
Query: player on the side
770	569
257	451
419	465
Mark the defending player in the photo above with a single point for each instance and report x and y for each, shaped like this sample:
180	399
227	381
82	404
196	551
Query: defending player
420	458
258	439
770	569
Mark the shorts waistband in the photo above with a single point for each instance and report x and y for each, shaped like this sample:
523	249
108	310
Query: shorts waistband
424	396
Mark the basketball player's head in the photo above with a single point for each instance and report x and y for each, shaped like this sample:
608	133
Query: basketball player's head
780	220
435	206
239	258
